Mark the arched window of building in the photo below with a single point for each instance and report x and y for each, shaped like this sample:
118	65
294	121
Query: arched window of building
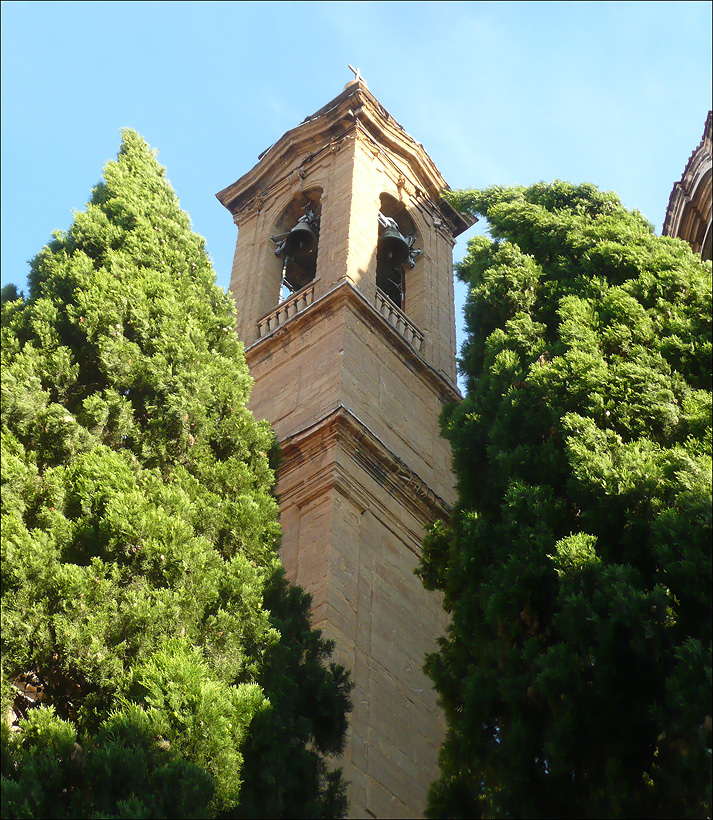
688	215
296	239
396	252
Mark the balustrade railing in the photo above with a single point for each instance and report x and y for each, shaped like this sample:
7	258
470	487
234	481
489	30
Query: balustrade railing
398	320
303	299
286	310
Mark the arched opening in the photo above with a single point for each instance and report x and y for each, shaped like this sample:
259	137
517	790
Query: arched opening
396	252
688	215
296	239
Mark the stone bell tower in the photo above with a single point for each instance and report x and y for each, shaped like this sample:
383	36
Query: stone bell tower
344	287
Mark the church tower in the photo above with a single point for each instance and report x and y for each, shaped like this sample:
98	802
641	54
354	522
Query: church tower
343	281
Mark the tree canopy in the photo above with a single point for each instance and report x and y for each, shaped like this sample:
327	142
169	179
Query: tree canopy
576	672
150	642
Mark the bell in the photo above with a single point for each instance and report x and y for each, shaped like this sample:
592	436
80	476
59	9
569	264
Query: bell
393	247
302	241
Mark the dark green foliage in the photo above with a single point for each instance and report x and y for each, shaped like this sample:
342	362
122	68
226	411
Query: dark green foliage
139	531
10	293
576	673
284	766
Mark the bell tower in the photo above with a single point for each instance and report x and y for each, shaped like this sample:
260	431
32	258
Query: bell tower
343	281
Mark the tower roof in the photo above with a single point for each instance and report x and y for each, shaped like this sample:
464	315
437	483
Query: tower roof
354	108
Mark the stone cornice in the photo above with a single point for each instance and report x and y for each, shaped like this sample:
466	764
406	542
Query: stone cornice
338	297
326	128
341	428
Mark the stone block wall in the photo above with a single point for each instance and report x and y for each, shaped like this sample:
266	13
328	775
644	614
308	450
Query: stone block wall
364	473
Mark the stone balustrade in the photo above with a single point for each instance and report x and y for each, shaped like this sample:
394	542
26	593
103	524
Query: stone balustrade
304	298
286	310
398	320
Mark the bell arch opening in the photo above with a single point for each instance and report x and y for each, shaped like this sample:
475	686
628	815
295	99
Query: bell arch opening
395	251
296	238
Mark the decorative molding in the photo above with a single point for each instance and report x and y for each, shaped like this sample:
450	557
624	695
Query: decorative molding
341	430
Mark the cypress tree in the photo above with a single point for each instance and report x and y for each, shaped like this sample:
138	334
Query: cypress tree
576	671
140	536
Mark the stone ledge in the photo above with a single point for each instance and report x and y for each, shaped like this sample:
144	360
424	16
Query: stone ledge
340	427
342	294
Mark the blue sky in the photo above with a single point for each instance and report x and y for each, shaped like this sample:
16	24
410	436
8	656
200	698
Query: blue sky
497	92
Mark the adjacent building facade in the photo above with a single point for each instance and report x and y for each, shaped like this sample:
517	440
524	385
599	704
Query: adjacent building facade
343	281
688	215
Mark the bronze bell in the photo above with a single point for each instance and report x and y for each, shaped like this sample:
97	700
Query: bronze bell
393	247
302	241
